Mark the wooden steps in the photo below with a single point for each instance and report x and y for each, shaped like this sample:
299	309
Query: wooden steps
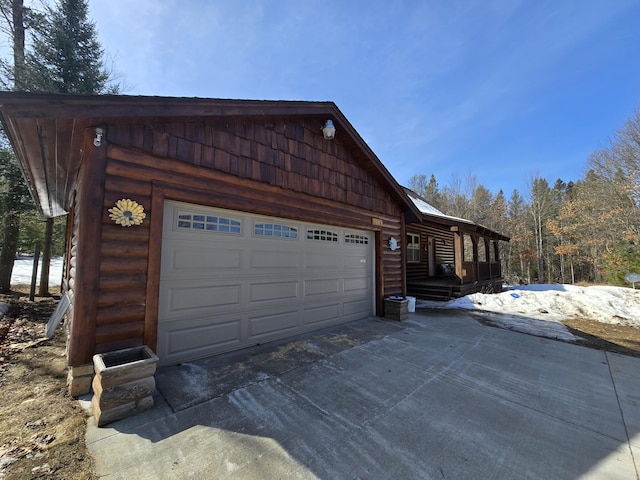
440	293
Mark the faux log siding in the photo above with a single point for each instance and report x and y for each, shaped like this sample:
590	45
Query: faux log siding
84	259
124	264
71	260
444	239
291	154
69	277
444	249
123	270
392	260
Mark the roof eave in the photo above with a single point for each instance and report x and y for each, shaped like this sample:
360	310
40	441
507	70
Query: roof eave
88	110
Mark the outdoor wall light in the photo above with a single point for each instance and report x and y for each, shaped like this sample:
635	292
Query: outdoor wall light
97	141
329	131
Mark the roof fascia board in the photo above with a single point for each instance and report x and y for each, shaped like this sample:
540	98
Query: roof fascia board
99	108
33	105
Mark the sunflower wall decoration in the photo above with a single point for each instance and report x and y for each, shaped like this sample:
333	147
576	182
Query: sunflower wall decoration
127	212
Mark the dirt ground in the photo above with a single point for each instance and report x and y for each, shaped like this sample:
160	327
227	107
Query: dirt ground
613	338
42	429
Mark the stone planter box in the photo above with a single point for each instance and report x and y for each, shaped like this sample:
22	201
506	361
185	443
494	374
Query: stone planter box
123	384
396	308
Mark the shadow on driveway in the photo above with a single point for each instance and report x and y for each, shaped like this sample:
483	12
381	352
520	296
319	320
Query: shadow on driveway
440	396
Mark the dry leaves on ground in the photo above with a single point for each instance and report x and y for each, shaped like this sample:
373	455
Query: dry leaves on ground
42	429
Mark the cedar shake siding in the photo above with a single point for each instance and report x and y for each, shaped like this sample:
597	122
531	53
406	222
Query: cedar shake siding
265	158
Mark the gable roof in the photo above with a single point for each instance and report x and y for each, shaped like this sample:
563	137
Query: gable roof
432	214
48	133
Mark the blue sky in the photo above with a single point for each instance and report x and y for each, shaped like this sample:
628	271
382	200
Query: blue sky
501	90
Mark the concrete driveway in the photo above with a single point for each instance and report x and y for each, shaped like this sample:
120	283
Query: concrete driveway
439	396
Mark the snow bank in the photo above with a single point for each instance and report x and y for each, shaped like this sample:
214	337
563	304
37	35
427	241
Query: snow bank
535	309
616	305
540	309
23	267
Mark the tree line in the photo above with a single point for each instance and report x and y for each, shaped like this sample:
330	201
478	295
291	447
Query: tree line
577	231
586	230
54	49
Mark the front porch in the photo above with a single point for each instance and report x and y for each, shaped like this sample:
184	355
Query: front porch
450	257
446	288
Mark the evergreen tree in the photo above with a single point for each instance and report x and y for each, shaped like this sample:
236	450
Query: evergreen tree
65	58
620	260
427	190
481	200
66	55
14	198
432	193
14	201
496	219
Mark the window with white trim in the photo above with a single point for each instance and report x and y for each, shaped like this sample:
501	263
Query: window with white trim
322	235
275	230
208	223
413	248
353	238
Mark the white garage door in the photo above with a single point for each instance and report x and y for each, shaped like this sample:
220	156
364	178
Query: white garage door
230	280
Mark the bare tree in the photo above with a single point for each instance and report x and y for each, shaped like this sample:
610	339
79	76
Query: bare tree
14	199
619	166
540	210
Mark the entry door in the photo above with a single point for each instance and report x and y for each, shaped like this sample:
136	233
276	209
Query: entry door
432	256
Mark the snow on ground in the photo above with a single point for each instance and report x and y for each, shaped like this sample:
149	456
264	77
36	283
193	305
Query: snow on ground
23	268
539	309
533	309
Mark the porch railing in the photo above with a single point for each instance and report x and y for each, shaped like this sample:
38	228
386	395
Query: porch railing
483	271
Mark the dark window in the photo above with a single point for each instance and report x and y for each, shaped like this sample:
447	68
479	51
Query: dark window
322	235
353	238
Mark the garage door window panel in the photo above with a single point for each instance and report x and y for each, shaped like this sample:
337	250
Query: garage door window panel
354	239
275	230
322	235
283	276
209	223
